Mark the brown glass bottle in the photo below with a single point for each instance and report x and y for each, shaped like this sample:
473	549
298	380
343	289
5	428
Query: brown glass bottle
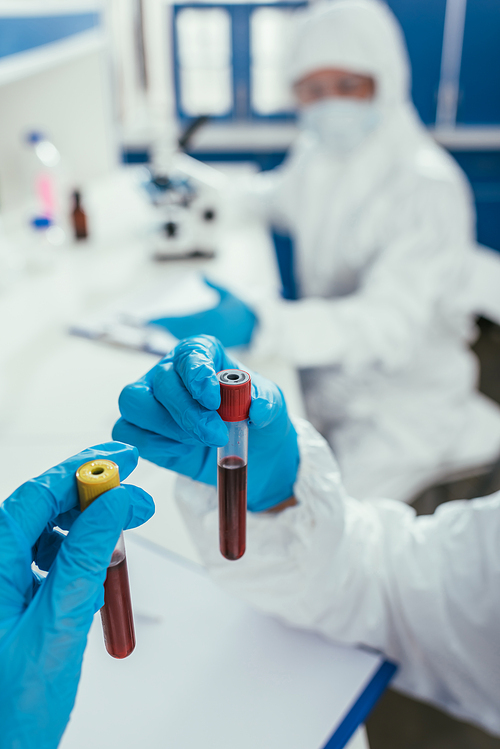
78	217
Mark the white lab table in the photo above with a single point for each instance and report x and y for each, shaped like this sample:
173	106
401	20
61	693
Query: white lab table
58	393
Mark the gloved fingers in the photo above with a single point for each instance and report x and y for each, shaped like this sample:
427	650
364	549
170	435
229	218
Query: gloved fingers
138	405
16	583
36	583
141	507
66	519
195	419
47	547
151	446
197	361
16	580
274	481
267	402
40	500
74	585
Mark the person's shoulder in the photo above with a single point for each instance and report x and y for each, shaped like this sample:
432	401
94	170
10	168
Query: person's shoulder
430	165
428	185
427	174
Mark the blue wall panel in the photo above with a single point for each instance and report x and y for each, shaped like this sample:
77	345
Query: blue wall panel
483	170
26	32
423	26
240	43
479	101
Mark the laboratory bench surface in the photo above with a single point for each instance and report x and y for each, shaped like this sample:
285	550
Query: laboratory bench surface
59	393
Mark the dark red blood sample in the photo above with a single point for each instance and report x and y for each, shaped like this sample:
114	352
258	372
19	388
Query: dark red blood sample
116	614
232	486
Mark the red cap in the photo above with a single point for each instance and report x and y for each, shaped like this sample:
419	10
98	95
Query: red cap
235	394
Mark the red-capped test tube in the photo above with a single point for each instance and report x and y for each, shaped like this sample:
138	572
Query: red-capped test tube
235	399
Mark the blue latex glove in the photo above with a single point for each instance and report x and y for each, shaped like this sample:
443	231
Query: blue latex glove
232	322
170	415
44	623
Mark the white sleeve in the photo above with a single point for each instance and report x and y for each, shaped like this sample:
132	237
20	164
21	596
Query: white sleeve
266	193
425	591
255	195
417	271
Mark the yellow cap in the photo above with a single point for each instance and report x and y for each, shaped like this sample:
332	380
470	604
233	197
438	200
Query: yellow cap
95	478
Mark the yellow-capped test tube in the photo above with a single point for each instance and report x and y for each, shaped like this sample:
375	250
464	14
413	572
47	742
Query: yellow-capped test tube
93	479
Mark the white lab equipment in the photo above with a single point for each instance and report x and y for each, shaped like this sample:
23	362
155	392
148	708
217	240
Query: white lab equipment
187	206
422	590
381	239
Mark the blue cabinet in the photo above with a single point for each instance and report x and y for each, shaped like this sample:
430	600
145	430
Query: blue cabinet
483	171
479	98
423	26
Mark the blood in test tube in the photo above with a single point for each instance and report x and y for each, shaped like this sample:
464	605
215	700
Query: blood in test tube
235	386
232	483
116	614
93	479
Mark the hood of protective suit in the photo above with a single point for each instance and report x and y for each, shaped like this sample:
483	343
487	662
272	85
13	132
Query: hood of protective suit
361	36
331	199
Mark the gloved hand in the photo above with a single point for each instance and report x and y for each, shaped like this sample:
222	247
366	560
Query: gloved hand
44	623
232	322
170	414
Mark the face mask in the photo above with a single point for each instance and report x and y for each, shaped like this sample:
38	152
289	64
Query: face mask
340	124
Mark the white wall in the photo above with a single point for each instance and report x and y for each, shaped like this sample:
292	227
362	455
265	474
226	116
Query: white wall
71	102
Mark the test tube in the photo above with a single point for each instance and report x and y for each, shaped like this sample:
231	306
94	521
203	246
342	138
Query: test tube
93	479
236	396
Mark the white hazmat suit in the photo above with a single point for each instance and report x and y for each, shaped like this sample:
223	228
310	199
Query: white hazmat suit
381	236
424	590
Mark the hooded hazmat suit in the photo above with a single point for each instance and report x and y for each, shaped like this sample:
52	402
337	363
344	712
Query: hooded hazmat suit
381	238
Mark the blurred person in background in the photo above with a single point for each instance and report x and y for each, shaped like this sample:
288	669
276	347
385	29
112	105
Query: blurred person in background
382	222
